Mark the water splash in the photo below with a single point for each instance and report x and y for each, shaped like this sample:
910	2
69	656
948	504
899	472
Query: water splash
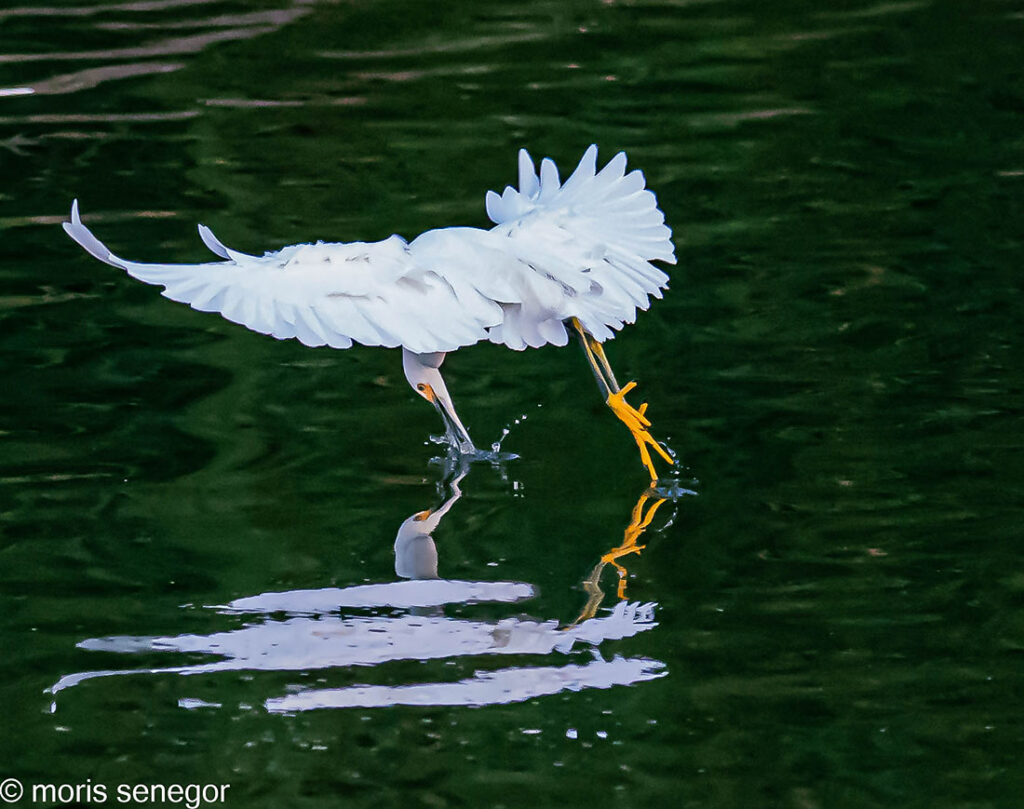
457	454
673	489
507	429
673	484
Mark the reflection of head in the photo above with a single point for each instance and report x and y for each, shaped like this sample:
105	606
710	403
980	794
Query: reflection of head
415	551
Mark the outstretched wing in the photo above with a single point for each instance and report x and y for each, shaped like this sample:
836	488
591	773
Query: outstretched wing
580	249
592	238
321	294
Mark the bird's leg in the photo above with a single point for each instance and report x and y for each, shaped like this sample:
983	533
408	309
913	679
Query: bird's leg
615	397
606	367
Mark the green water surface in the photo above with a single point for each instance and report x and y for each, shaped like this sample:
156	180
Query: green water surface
833	620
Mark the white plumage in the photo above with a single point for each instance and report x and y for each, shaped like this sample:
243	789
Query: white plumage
577	253
580	249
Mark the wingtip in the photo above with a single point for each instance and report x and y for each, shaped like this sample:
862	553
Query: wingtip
87	241
588	163
525	163
549	179
213	244
528	182
492	204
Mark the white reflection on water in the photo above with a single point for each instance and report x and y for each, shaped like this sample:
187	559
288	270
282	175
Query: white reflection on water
332	641
316	634
486	688
99	8
133	61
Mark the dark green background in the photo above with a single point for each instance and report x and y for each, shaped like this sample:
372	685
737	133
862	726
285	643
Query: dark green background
838	362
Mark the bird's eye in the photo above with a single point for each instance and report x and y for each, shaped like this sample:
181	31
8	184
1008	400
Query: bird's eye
421	386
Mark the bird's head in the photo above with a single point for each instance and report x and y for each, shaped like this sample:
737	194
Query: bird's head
426	391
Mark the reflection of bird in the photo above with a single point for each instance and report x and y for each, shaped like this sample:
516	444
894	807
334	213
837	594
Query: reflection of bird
561	259
415	551
368	625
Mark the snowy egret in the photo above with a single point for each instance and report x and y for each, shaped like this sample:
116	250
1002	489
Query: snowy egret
560	259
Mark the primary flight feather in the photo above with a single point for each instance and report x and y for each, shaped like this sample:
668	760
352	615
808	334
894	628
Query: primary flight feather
576	254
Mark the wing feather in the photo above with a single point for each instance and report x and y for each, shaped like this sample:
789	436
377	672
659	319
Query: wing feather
583	249
321	294
528	183
594	237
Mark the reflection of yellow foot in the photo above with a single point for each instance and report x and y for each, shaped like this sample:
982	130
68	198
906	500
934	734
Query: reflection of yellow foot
637	423
638	522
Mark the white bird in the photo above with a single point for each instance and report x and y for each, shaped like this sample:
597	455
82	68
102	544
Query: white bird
561	257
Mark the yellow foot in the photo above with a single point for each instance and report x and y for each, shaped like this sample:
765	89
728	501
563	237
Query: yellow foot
637	423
